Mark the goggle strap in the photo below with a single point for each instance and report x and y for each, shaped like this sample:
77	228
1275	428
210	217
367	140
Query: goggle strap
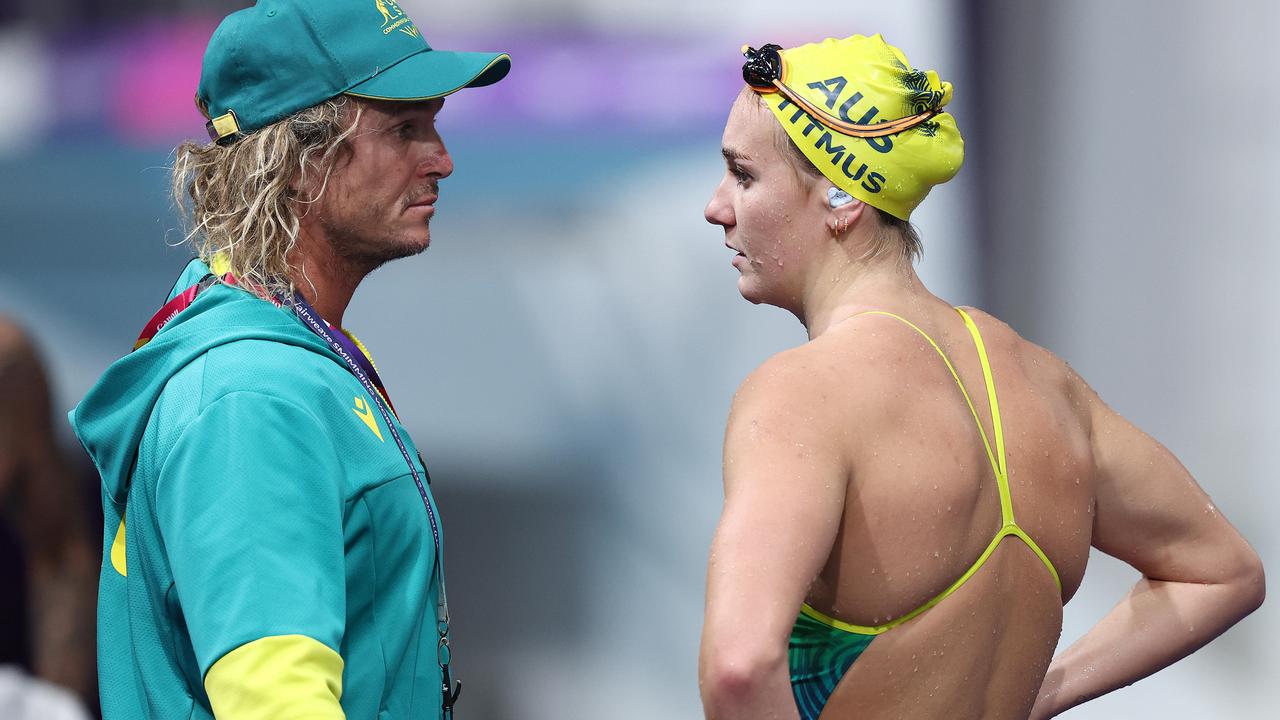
891	127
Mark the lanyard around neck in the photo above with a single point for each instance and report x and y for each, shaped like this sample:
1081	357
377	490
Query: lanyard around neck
311	319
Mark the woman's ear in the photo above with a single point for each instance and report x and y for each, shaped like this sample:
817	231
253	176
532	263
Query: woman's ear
844	210
837	197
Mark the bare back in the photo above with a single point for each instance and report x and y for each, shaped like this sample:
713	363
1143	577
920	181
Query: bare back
922	504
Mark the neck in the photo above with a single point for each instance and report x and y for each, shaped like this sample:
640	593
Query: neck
325	279
844	288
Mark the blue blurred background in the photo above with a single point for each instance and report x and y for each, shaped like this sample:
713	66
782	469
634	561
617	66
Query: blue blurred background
566	351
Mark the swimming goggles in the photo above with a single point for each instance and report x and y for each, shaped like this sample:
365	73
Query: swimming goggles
763	72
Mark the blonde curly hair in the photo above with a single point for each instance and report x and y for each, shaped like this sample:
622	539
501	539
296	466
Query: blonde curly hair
240	201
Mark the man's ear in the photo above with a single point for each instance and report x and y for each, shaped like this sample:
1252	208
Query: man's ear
303	186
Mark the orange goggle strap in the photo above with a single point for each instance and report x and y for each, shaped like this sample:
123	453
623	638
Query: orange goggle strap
892	127
768	59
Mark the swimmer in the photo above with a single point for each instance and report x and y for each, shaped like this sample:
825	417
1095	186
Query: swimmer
912	494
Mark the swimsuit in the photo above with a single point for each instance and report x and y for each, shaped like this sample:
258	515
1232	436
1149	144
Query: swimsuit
822	648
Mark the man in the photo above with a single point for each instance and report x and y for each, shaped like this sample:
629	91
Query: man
272	549
910	496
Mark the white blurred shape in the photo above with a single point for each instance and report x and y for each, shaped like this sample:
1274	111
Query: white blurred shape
23	697
25	77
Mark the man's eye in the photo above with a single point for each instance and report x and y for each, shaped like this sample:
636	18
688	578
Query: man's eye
741	176
405	130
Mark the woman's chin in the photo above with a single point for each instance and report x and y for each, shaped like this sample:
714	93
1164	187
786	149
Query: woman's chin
750	290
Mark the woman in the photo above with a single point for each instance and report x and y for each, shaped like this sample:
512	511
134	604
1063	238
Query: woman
910	496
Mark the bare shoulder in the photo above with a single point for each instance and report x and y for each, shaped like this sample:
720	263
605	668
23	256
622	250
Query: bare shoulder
791	381
782	435
1041	364
811	377
815	397
1000	336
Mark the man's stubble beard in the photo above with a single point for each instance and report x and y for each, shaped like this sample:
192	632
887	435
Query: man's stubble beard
364	253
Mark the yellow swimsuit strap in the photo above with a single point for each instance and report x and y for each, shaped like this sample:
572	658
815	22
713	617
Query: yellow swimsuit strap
1009	525
997	459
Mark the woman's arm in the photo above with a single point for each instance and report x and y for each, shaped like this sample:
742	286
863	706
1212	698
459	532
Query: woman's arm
1199	576
784	496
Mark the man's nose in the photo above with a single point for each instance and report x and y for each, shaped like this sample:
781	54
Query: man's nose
438	163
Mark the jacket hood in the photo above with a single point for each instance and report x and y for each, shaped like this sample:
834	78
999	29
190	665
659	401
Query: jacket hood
111	418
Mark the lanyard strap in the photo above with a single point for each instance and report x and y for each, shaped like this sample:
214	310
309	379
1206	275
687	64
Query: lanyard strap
366	365
311	319
170	311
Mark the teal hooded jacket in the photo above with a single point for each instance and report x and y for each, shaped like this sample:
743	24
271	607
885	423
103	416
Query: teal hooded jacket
266	552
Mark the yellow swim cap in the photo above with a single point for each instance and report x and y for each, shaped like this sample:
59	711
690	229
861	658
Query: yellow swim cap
872	124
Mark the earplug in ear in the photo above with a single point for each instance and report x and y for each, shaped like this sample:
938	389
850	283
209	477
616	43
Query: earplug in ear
837	197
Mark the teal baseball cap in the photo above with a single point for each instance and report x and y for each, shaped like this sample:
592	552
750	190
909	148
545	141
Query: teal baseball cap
277	57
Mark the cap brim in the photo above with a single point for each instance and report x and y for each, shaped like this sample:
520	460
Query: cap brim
432	74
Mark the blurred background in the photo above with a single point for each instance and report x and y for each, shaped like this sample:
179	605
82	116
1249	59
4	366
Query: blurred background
566	352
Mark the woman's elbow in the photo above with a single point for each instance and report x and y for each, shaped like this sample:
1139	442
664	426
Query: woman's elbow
1252	581
1240	579
731	679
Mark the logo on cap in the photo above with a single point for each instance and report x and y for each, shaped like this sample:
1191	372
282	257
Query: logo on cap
393	18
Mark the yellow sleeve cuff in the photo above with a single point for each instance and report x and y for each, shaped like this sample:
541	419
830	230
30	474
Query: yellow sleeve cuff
277	678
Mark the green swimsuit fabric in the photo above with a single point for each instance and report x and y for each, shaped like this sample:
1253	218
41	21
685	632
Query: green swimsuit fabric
819	656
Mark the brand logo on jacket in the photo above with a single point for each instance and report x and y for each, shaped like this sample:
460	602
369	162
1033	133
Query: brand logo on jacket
365	413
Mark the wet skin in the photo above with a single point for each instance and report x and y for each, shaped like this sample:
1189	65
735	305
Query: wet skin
763	211
925	504
856	480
